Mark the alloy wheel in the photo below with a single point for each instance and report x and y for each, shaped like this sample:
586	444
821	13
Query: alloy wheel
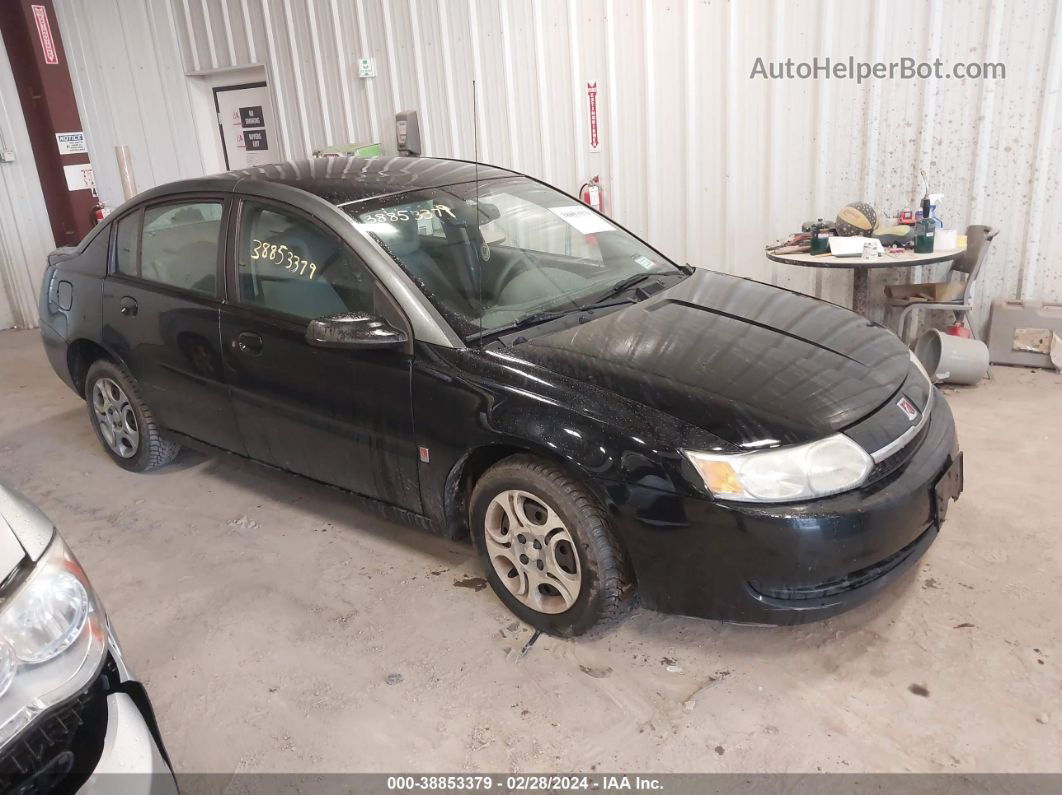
532	551
116	418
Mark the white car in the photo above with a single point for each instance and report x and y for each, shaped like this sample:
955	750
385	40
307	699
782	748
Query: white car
72	717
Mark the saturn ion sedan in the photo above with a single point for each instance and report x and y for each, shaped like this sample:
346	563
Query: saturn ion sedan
476	352
72	717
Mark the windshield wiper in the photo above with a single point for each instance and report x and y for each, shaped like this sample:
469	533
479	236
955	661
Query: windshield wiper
523	322
535	318
621	286
552	314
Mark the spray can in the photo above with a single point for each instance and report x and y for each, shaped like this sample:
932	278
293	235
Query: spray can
926	230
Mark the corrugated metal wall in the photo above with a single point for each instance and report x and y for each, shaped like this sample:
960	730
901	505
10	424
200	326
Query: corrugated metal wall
25	233
695	155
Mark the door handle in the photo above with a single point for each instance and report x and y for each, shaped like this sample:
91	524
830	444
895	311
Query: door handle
127	306
249	343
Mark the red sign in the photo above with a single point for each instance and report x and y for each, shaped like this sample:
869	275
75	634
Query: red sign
591	94
44	31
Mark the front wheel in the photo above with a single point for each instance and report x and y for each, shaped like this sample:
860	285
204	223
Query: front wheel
547	547
122	420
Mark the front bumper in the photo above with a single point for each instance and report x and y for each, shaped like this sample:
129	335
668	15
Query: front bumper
103	740
132	761
787	564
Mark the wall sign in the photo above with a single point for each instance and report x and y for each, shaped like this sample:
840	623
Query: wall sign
44	33
366	67
252	116
255	140
71	143
591	98
245	121
80	177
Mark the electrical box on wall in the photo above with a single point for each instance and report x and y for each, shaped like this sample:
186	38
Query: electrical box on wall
407	132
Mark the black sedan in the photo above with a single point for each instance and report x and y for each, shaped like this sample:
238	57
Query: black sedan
476	352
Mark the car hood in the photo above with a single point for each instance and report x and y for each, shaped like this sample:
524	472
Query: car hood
753	364
24	531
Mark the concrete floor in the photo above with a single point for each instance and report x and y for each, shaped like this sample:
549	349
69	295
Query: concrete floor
279	628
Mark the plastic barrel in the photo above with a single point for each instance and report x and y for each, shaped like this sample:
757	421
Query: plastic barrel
957	360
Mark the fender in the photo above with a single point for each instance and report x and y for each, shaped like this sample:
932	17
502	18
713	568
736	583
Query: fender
469	413
69	307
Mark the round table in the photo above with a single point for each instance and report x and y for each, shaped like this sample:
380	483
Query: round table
861	267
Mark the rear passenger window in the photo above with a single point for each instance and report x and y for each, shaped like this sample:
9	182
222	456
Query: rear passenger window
125	244
290	265
180	245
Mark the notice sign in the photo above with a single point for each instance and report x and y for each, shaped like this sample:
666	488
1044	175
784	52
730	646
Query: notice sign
591	99
44	33
71	143
80	177
366	67
255	140
252	116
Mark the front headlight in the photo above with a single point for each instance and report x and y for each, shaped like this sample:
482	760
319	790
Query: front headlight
786	474
53	639
47	617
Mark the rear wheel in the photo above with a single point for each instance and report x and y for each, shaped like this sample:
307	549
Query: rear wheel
547	547
122	420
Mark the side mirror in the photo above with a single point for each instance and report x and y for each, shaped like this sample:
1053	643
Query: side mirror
354	331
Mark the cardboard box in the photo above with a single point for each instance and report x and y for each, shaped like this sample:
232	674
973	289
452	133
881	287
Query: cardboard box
931	292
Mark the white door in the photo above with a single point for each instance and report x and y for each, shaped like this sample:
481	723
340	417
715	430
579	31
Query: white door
245	120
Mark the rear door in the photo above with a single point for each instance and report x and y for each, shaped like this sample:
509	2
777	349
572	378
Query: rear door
161	309
339	416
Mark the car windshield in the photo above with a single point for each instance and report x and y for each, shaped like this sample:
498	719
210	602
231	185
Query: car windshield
518	253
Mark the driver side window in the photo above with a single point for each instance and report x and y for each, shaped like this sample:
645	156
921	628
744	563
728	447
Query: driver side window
290	265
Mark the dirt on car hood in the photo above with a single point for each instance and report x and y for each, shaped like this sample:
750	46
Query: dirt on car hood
744	360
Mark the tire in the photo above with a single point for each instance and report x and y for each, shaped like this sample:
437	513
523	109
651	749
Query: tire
563	572
122	420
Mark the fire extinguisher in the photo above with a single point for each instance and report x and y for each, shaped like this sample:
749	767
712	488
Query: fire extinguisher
590	192
99	210
958	330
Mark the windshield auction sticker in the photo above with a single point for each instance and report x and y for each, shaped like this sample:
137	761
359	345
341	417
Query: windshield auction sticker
582	218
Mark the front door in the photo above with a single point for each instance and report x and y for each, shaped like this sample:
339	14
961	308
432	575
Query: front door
161	307
341	417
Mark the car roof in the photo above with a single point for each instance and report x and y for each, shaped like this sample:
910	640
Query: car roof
342	180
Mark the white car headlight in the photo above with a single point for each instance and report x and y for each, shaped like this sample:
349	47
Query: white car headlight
46	618
786	474
53	639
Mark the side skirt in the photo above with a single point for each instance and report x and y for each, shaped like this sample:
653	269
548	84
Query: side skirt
388	511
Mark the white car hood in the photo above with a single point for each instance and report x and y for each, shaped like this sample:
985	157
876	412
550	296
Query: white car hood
24	531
